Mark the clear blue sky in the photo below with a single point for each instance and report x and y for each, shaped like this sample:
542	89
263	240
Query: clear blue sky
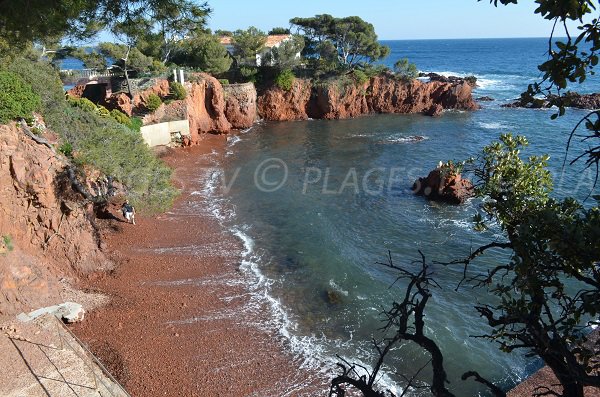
393	19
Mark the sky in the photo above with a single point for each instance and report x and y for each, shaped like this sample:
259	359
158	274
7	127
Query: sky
393	19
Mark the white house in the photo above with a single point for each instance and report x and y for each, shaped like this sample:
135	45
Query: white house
273	41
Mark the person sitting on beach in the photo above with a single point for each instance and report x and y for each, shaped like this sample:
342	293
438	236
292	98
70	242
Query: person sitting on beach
128	212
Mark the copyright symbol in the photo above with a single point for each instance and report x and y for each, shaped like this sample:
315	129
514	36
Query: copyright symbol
275	182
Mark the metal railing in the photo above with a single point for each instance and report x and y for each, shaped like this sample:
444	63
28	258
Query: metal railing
89	73
90	360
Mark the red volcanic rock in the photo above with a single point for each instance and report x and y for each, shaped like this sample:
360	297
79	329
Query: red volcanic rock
435	110
121	102
205	106
77	91
382	94
444	185
160	88
50	230
277	104
240	104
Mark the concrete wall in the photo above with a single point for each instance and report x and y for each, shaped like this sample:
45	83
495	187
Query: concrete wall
160	134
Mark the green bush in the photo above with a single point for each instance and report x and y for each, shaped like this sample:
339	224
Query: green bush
82	103
136	124
101	142
249	73
153	102
102	111
405	70
224	81
66	149
120	117
471	80
360	77
17	99
8	242
178	91
285	80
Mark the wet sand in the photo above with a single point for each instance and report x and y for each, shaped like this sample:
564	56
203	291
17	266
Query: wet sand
181	321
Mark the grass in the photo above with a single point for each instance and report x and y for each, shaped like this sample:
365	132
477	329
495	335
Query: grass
8	242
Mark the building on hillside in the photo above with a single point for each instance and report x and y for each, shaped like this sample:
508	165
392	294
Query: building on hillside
273	41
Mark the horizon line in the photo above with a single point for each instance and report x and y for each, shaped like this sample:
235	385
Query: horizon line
472	38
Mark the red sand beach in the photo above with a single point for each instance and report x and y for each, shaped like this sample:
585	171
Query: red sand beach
179	323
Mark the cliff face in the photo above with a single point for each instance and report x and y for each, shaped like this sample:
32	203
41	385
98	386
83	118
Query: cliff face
211	107
382	94
240	104
278	105
51	233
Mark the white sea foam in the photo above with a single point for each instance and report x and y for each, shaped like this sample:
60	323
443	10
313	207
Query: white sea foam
314	352
233	139
336	287
493	125
407	139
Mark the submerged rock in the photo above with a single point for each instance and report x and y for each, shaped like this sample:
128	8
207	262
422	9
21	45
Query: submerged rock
445	185
485	99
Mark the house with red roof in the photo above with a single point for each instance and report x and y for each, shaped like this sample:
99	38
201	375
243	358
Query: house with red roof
273	41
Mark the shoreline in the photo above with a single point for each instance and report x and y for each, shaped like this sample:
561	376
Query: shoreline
181	321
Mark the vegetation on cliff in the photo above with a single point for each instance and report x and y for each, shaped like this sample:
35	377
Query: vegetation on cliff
17	99
108	144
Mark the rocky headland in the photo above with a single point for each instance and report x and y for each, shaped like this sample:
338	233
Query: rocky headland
215	108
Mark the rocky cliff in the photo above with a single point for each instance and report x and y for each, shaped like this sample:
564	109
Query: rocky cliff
50	232
212	107
382	94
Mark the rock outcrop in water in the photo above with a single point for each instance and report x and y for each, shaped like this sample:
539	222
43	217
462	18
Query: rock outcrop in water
445	185
569	99
382	94
50	234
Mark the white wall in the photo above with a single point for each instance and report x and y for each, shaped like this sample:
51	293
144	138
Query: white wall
160	134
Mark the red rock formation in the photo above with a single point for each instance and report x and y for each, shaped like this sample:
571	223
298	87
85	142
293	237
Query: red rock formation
277	104
240	104
383	94
50	231
160	88
444	185
120	101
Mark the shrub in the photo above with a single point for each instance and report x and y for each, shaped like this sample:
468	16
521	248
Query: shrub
102	111
405	70
120	117
178	91
8	242
82	103
224	81
153	102
17	99
249	73
66	149
285	80
136	124
471	80
360	77
101	142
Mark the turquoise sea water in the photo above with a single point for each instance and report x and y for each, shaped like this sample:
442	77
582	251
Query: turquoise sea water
339	198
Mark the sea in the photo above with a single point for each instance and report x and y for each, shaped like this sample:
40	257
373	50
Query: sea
321	206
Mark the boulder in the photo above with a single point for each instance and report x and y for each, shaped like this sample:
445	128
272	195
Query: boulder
69	312
445	185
